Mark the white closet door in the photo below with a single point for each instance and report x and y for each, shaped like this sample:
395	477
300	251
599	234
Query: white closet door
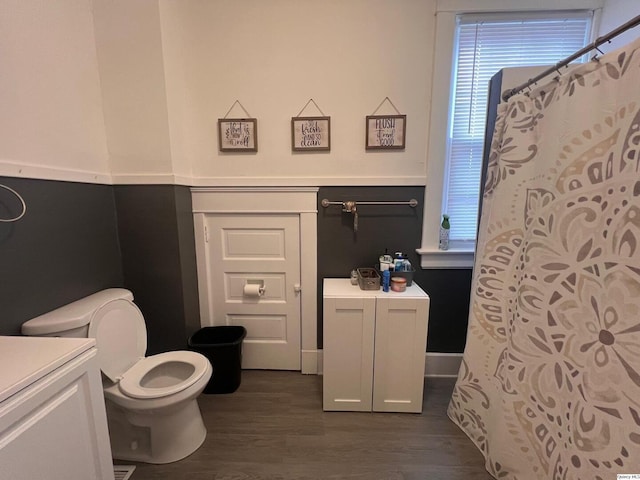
245	248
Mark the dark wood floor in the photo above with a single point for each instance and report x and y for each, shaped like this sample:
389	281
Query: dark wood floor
274	428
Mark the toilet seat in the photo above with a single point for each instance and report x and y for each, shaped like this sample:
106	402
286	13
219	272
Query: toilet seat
130	383
121	338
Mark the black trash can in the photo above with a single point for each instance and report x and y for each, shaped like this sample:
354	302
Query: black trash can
223	347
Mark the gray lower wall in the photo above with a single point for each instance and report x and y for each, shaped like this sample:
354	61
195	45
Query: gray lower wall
392	228
64	248
449	292
155	225
79	238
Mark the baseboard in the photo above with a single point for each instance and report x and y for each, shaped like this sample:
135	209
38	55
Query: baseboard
436	364
309	360
442	364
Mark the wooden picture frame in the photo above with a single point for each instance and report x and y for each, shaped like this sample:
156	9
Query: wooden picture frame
386	132
238	134
310	134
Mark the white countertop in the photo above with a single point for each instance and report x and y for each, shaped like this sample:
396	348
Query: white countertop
341	287
24	360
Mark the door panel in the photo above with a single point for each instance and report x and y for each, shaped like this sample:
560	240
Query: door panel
274	288
267	328
265	250
253	244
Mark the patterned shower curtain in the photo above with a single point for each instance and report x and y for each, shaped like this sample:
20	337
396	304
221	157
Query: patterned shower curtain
549	386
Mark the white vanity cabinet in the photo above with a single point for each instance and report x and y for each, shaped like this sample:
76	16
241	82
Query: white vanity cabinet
374	345
53	423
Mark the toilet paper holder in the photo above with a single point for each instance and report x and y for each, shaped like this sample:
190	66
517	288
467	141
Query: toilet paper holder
254	288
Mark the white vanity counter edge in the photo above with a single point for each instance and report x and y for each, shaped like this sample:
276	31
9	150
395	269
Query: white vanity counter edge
24	360
342	287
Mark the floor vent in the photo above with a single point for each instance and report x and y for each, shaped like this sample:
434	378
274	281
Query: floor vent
123	472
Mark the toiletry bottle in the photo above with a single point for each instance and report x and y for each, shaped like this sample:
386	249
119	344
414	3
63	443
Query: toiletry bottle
386	278
398	260
385	259
444	233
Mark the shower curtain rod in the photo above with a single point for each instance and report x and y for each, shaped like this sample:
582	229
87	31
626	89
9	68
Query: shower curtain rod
556	68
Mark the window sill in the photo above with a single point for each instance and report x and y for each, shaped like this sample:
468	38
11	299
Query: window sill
452	258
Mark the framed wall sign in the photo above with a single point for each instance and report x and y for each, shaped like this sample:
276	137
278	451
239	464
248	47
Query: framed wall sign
310	134
386	132
238	134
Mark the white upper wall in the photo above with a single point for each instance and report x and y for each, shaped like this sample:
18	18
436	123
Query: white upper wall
273	56
130	58
51	122
176	49
166	70
614	14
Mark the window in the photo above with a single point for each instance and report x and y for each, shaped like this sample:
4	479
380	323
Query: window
484	44
544	34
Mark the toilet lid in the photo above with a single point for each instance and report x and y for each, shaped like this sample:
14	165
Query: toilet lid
121	337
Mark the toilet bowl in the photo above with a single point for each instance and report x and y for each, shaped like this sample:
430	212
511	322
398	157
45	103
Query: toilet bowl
151	403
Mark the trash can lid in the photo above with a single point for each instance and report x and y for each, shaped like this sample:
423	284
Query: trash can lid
218	336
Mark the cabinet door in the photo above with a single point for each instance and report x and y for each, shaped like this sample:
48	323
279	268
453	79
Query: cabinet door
348	353
57	427
400	345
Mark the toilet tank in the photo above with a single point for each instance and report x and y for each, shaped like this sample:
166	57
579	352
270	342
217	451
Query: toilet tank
72	320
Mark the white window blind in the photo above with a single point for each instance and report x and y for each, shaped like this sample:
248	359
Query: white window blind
484	45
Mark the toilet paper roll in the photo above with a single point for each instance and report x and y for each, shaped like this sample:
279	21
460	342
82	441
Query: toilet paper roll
253	290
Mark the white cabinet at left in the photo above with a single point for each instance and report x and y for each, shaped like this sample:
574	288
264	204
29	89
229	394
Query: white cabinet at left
52	415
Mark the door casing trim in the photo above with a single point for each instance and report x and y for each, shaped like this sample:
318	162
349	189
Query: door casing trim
268	200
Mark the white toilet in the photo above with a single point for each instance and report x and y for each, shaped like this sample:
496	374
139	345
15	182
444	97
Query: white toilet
151	401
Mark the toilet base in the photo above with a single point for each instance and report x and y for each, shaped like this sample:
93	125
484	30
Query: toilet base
156	436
